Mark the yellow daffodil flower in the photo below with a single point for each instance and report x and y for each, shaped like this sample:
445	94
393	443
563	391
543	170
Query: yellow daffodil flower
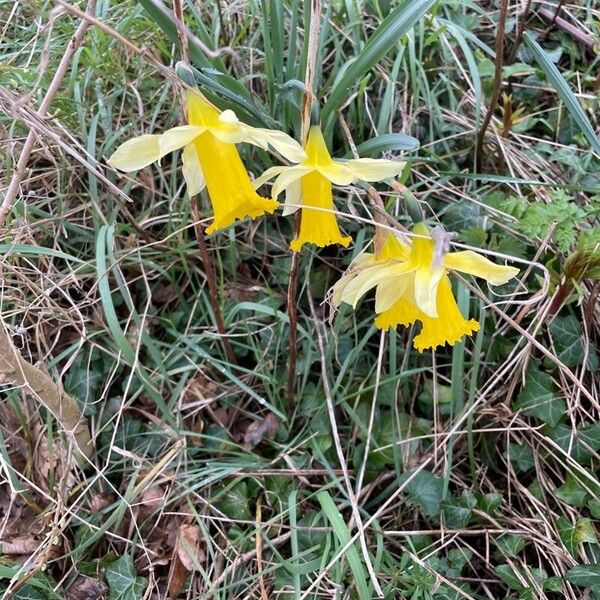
308	185
412	284
210	158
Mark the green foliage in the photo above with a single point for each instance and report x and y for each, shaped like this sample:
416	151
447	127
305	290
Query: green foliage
539	399
122	580
585	576
534	219
567	335
425	490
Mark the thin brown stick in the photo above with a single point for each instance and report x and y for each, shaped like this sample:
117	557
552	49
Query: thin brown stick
19	172
292	311
497	81
520	30
211	280
16	371
183	39
307	99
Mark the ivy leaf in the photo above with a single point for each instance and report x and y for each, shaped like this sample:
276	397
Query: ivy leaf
510	544
458	511
571	492
507	574
583	532
585	576
582	442
538	398
425	490
123	582
568	339
521	457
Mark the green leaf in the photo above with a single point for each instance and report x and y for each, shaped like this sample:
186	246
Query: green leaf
521	456
123	582
458	511
426	490
585	576
510	544
234	501
342	533
571	492
538	398
383	39
581	443
386	142
564	91
489	503
583	532
567	335
506	573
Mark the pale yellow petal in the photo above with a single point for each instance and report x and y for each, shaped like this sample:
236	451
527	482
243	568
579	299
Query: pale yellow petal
388	292
287	177
136	153
278	141
268	174
336	173
293	198
374	276
475	264
371	169
427	280
192	170
178	137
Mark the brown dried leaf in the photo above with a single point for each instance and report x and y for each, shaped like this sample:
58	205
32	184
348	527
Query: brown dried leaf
187	557
19	545
87	588
150	501
188	547
258	429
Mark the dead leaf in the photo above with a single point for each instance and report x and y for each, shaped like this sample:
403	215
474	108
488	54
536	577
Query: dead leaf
188	547
87	588
19	545
150	501
259	429
187	557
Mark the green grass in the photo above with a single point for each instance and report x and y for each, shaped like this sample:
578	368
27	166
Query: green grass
474	470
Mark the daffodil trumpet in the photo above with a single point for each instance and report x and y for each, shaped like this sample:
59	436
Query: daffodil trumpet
308	185
210	158
412	284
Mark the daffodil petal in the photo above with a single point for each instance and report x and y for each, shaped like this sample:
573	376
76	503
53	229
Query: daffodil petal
385	274
364	259
192	170
228	116
229	132
136	153
337	173
287	177
474	264
268	174
287	146
178	137
372	169
389	292
293	198
427	280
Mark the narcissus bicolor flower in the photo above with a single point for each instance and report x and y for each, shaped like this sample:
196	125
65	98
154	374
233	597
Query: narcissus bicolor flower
412	284
308	185
210	158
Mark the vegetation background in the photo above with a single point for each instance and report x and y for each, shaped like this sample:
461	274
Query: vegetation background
471	472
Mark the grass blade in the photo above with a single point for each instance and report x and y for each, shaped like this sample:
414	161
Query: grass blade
394	26
564	91
343	535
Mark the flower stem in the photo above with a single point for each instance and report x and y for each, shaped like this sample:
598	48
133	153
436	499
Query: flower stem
308	108
211	279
